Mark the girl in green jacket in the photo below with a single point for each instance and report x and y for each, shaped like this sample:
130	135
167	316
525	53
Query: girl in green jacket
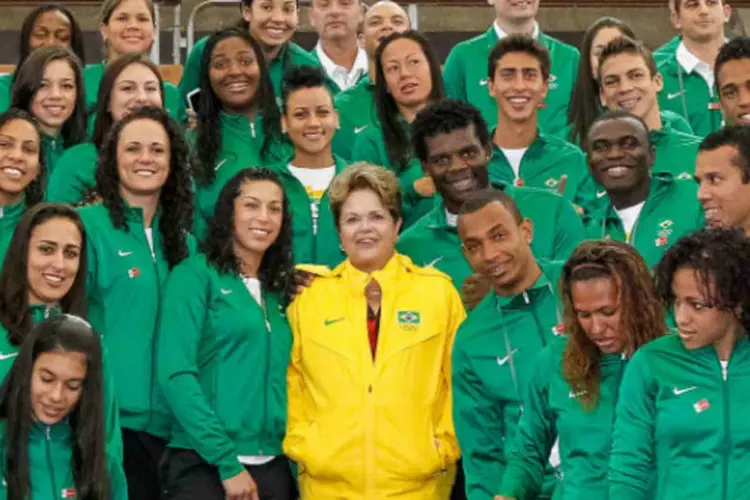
50	87
408	79
681	428
239	124
52	419
224	347
22	173
310	121
610	310
129	83
134	237
127	27
46	26
45	275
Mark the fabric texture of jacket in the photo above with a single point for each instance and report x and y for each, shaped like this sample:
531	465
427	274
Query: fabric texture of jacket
382	428
357	112
74	175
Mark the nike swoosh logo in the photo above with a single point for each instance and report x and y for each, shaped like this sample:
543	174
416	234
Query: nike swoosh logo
225	292
676	94
432	264
601	194
330	322
502	361
220	164
679	392
484	82
357	130
122	253
573	395
3	357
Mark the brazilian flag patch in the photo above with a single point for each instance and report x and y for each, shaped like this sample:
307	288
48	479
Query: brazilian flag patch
409	318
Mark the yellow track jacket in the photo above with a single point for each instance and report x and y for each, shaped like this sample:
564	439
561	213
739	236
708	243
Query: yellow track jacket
364	429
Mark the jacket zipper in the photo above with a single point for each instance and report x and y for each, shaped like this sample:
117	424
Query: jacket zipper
726	444
50	464
155	335
266	381
252	129
539	330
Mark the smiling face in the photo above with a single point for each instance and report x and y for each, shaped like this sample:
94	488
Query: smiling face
130	29
627	85
367	230
143	158
518	86
53	260
234	74
618	154
56	385
407	73
310	120
381	20
19	159
698	321
55	101
496	245
258	216
722	191
272	22
596	305
457	163
136	87
51	29
336	19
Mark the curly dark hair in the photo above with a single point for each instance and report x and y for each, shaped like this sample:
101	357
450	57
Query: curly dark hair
64	333
584	103
641	316
208	136
103	121
444	117
34	192
276	271
396	139
176	200
720	257
27	28
27	81
14	282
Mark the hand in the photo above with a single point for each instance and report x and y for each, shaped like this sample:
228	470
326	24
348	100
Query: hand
192	118
561	185
498	497
240	487
424	187
474	289
302	279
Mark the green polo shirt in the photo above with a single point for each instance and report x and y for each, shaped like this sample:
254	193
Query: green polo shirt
465	77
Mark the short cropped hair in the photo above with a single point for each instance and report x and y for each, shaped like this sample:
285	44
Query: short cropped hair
733	50
480	199
736	136
626	45
365	176
520	43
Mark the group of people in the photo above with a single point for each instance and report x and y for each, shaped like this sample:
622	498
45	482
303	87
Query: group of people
352	273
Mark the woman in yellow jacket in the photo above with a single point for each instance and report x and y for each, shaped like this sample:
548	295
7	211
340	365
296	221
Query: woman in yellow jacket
369	410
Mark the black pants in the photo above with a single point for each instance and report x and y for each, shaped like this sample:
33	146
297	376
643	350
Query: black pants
187	476
459	487
142	453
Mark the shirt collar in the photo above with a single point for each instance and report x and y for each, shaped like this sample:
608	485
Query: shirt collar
688	60
360	63
502	34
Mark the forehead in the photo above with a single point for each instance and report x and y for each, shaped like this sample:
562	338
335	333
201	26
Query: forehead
735	70
452	141
59	67
723	158
617	128
625	62
59	229
132	6
310	96
144	130
362	200
401	48
138	71
476	225
386	9
229	45
55	17
518	60
264	190
20	129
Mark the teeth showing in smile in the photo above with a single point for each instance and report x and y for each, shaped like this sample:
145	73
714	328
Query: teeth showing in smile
259	232
518	100
745	118
145	173
617	171
12	172
238	86
53	278
628	103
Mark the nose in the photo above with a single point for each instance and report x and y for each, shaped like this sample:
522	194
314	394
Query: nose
597	324
681	315
16	152
54	91
141	95
704	193
278	15
58	260
743	99
56	394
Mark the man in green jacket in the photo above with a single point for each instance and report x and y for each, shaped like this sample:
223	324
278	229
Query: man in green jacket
722	171
355	105
338	50
466	76
732	70
521	154
648	211
498	343
452	142
630	82
688	72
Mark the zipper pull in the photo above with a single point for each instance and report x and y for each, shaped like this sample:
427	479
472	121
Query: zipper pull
48	432
526	297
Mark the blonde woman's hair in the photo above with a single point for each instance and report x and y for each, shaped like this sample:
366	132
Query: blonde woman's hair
365	176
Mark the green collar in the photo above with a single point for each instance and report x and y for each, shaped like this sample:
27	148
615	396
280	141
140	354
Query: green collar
542	282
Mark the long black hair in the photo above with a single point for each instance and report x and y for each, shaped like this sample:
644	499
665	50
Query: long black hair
208	131
395	137
65	333
28	80
176	200
14	281
34	192
104	119
27	28
584	103
276	271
